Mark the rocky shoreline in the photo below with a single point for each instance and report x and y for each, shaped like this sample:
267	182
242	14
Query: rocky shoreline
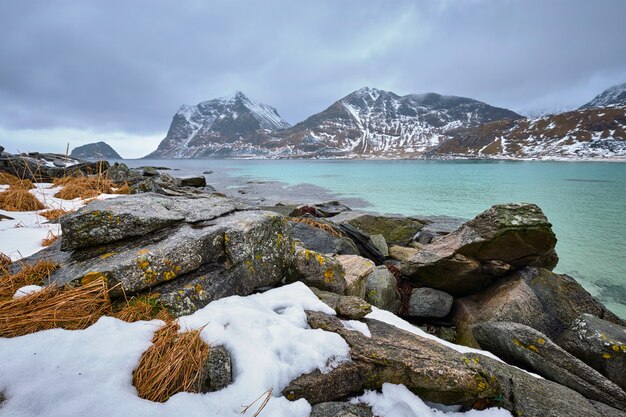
485	284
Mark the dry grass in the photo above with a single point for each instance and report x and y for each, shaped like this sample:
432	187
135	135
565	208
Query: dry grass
124	189
83	187
172	364
53	307
319	225
13	181
49	239
53	214
35	274
5	261
19	199
144	307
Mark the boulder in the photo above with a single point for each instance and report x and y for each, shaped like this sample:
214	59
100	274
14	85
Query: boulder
197	182
436	227
320	240
528	396
340	409
149	172
430	370
346	306
427	302
401	253
217	371
380	243
363	243
535	297
331	208
317	270
41	167
600	344
395	229
356	270
191	252
503	238
381	290
531	349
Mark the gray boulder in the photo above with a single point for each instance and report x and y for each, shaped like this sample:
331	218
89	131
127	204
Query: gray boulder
436	227
532	349
395	229
600	344
432	371
380	243
346	306
340	409
381	290
192	250
317	270
427	302
217	371
503	238
535	297
319	240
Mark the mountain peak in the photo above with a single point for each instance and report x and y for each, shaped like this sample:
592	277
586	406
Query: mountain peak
612	96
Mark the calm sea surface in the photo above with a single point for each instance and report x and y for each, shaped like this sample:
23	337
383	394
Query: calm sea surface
585	201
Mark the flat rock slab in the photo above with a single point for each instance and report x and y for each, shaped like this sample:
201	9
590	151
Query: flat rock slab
503	238
430	370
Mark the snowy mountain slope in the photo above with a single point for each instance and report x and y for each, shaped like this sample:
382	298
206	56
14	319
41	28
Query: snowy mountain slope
366	123
614	96
195	129
592	133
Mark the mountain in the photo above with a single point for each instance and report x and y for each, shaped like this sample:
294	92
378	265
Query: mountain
586	133
98	150
614	96
202	130
366	123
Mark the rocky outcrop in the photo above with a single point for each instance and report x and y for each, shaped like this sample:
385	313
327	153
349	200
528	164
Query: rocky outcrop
151	179
600	344
432	371
535	297
98	150
45	167
340	409
501	239
190	251
533	350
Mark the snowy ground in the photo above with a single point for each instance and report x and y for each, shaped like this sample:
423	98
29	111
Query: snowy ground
89	372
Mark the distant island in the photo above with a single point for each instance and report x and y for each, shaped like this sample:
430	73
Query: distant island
373	123
98	150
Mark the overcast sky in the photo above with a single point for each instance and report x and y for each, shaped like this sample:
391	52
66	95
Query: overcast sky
117	70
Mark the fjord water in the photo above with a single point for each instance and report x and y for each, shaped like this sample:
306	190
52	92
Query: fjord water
585	201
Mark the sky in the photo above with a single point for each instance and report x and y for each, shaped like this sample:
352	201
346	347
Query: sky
74	72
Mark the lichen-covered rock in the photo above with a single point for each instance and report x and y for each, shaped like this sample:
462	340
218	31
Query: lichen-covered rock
600	344
427	302
401	253
380	243
503	238
340	409
319	240
346	306
535	297
356	270
527	396
317	270
105	221
430	370
395	229
217	370
520	344
381	290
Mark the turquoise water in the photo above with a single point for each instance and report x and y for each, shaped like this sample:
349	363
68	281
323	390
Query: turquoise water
585	201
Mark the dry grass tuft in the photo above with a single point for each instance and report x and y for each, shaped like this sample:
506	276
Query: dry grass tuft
53	307
124	189
144	307
13	181
314	223
35	274
49	239
172	364
5	261
83	187
53	214
19	199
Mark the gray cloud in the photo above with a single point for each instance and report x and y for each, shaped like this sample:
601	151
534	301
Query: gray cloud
126	66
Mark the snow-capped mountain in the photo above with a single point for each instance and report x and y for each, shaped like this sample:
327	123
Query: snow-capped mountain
592	133
614	96
201	130
366	123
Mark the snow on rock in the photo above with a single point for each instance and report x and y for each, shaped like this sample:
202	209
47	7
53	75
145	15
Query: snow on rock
26	290
398	401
